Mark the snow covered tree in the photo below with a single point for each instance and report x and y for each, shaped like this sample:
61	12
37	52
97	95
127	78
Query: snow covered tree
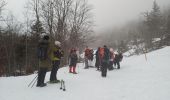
153	21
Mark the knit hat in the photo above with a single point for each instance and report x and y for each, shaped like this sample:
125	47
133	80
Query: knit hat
57	43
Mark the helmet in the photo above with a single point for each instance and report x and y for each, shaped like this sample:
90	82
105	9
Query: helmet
57	43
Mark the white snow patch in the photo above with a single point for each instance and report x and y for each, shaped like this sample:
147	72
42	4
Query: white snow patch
138	79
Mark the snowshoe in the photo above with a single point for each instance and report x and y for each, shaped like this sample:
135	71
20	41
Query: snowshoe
54	81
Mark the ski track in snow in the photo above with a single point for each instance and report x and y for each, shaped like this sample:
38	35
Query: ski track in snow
137	79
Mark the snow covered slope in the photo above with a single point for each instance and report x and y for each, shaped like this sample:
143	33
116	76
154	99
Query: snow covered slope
137	79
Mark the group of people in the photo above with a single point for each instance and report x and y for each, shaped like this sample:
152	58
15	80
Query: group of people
105	58
50	54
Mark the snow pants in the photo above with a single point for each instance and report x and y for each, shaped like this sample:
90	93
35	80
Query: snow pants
41	76
104	69
97	65
117	63
53	75
86	62
110	67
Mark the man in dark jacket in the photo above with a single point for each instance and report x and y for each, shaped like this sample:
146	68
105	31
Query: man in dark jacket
105	61
118	59
44	61
97	63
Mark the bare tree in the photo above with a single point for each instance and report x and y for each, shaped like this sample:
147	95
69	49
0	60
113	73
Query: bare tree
81	23
10	41
62	11
2	4
48	16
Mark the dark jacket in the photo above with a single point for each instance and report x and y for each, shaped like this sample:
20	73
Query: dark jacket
118	57
73	59
97	55
45	63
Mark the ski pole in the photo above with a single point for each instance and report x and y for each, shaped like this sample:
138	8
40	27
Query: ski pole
32	80
64	88
61	85
34	83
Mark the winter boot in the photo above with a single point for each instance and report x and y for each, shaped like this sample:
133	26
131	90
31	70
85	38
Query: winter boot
41	77
74	70
43	84
70	69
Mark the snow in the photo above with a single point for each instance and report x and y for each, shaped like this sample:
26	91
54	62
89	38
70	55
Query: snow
138	79
156	40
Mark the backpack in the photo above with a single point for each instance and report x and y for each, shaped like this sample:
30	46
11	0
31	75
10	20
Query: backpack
90	54
104	54
42	51
87	52
101	53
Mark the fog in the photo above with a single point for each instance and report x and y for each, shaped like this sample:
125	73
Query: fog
107	13
110	13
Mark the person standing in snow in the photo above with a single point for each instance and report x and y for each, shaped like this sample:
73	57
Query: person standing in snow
90	58
44	59
86	57
56	55
105	56
118	59
98	62
73	58
111	59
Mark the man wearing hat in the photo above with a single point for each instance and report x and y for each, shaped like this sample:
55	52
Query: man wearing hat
44	61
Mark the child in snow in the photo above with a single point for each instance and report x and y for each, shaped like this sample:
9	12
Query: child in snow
73	61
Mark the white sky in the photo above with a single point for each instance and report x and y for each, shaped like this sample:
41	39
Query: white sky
107	13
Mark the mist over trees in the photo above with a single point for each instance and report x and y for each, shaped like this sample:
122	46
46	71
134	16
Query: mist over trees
149	32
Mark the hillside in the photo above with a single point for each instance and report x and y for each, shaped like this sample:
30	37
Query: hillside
137	79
